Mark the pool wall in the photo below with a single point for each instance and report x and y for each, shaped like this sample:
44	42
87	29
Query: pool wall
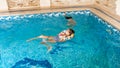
12	5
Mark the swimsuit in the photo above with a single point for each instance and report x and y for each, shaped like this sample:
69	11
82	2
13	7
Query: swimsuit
57	39
62	36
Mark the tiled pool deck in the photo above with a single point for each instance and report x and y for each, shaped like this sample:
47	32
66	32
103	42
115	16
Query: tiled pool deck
112	19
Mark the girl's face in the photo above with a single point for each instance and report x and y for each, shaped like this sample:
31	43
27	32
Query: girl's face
68	32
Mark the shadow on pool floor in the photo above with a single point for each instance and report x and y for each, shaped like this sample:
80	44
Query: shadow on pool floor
28	63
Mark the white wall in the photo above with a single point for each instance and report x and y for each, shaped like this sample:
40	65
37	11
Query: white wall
3	5
68	3
118	7
45	3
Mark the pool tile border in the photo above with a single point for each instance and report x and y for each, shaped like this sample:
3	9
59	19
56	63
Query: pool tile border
111	19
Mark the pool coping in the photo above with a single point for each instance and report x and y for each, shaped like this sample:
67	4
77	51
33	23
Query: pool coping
112	19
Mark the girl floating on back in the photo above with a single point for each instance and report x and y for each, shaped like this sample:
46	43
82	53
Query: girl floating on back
61	37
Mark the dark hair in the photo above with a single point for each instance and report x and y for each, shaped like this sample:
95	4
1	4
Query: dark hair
72	31
68	17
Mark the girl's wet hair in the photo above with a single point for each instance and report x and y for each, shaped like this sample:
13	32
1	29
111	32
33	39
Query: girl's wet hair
72	31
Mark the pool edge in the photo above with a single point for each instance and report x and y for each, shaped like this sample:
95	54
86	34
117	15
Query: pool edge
112	19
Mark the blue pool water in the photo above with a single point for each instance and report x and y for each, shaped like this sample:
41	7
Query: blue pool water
96	44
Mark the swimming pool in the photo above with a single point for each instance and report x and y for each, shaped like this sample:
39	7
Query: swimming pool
96	43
